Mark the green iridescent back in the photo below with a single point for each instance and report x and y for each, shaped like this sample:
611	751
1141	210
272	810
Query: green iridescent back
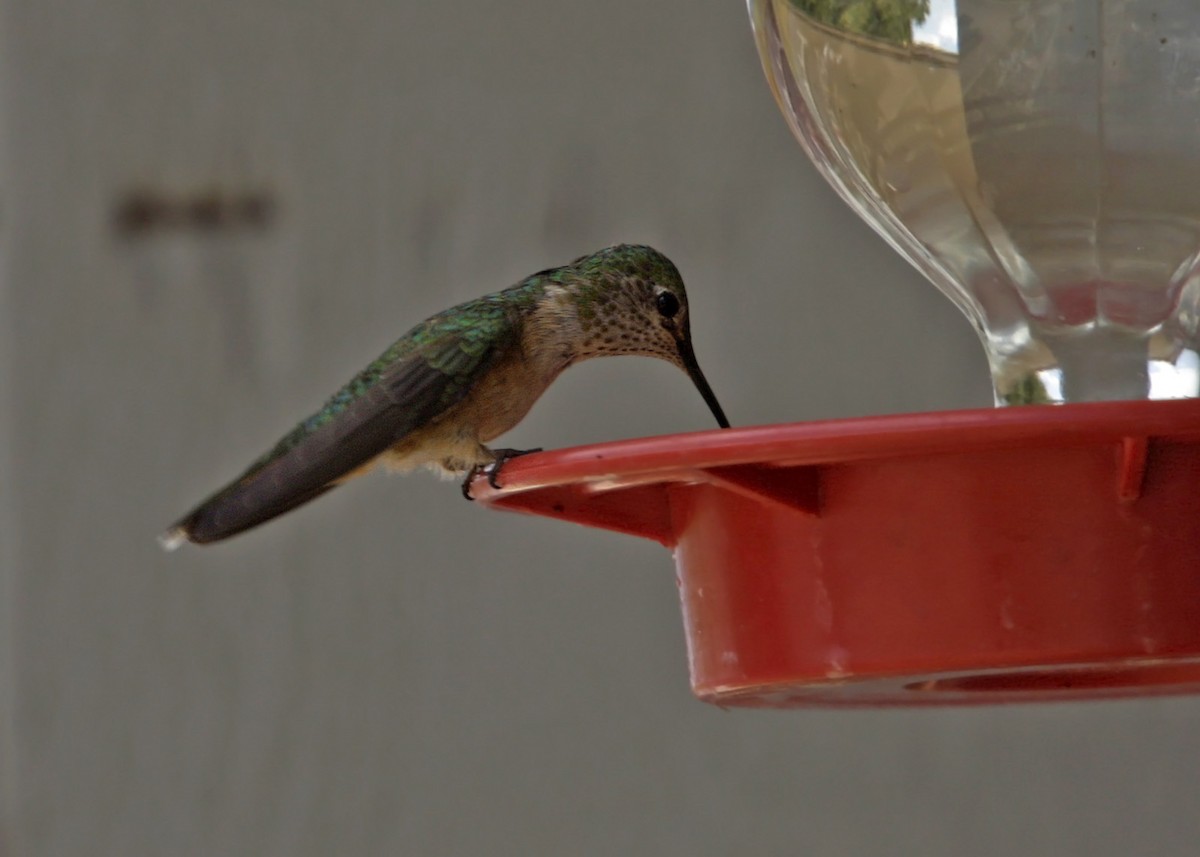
451	343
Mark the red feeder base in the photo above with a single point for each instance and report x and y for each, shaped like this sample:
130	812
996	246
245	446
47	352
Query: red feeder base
984	556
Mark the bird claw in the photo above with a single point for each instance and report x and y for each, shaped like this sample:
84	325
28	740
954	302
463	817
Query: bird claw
503	456
493	469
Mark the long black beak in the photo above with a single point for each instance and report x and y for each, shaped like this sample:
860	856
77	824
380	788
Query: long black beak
693	369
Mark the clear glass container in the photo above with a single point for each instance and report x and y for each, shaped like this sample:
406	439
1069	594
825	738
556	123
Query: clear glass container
1037	160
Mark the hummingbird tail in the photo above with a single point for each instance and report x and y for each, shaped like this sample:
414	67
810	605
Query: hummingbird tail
234	510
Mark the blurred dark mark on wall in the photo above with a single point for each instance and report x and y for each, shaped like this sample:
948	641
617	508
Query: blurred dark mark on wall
204	236
142	212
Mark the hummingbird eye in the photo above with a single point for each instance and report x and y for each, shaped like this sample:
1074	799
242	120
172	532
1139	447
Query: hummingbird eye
668	304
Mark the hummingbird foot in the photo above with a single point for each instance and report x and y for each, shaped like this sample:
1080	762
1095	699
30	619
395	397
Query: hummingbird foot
503	456
493	469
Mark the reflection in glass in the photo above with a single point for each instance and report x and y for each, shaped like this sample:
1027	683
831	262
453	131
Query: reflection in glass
889	20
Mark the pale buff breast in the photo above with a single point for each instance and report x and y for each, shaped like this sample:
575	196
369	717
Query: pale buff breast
455	442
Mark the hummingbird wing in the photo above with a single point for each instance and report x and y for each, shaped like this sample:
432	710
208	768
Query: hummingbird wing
420	377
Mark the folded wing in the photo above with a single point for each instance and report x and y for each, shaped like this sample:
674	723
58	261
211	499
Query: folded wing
415	381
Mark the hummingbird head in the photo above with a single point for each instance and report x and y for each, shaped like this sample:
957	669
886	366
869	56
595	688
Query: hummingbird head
630	299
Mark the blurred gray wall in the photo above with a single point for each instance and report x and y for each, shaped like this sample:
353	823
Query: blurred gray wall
392	670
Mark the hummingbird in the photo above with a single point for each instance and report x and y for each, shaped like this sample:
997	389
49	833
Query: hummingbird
461	378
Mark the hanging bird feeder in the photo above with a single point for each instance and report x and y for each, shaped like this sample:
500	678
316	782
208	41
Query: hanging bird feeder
1038	163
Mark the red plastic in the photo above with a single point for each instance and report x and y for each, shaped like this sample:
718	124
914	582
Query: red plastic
966	557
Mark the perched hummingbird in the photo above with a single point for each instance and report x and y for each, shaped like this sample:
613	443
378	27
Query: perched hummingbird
461	378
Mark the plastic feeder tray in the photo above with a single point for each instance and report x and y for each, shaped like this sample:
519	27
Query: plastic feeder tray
1033	553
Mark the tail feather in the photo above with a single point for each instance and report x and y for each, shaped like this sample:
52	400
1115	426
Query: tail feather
233	511
170	539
